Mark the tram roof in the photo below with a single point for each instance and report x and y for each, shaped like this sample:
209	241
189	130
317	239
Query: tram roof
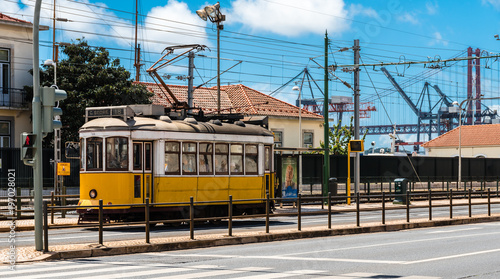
188	125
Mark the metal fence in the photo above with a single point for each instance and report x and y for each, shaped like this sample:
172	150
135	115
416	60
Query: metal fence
451	196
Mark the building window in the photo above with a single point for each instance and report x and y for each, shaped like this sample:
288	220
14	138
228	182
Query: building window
4	70
308	138
278	138
4	133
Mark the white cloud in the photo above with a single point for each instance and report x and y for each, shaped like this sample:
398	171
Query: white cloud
494	3
438	39
358	9
432	7
290	18
407	17
183	26
172	24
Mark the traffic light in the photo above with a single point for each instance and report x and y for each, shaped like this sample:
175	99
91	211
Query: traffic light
50	96
28	146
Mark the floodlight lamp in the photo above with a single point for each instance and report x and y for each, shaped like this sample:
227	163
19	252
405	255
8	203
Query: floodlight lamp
202	14
48	62
296	88
455	103
211	10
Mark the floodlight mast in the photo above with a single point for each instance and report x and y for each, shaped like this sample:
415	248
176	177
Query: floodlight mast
215	16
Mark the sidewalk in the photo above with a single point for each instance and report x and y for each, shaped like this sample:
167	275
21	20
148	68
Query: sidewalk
27	254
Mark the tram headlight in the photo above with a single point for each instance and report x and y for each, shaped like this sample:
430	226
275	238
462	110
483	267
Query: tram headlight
93	194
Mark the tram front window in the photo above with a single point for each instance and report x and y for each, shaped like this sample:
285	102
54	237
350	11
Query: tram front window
117	153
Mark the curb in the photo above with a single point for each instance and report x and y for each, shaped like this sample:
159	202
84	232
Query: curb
193	244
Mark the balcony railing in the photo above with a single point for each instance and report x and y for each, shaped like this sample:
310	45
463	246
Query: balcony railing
13	98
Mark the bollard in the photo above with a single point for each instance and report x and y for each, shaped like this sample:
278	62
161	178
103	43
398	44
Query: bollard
299	210
383	208
357	209
451	203
408	207
146	211
230	214
191	218
45	229
470	203
63	201
430	205
329	210
18	204
267	213
52	209
101	217
489	202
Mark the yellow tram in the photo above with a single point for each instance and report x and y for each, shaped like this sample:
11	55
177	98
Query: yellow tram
130	153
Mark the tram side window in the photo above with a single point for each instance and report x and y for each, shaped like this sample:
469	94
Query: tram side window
94	154
251	159
221	153
117	153
172	153
189	158
236	159
206	151
267	159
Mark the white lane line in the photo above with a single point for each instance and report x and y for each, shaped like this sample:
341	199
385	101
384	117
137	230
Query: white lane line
453	256
140	273
395	243
51	274
53	267
282	275
203	274
457	230
289	258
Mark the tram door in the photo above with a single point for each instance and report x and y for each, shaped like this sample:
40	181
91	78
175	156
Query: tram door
268	173
143	174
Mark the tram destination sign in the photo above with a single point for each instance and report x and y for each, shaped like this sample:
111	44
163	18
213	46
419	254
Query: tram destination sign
123	112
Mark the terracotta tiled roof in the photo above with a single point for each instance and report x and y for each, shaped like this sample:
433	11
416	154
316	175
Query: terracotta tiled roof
475	135
4	17
234	99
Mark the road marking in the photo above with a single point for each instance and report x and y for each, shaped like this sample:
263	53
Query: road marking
203	274
139	273
20	269
457	230
79	272
453	256
281	275
322	259
395	243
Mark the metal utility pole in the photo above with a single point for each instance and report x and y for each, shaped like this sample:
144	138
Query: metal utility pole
326	163
37	130
137	60
356	114
190	80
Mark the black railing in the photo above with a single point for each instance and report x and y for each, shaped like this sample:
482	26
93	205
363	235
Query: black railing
465	198
13	98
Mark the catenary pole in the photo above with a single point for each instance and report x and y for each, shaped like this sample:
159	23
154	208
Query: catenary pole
326	164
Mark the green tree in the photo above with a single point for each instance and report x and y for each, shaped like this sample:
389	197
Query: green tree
339	138
91	78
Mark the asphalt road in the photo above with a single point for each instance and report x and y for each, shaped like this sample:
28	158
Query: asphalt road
465	251
90	235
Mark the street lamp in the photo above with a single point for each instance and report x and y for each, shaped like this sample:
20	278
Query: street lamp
215	16
296	88
49	62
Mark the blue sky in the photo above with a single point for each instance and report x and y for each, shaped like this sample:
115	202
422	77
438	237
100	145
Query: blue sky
276	40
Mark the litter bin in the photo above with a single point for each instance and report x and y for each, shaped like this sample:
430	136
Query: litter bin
332	186
400	189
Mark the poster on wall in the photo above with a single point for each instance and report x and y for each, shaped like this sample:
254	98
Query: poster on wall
289	177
